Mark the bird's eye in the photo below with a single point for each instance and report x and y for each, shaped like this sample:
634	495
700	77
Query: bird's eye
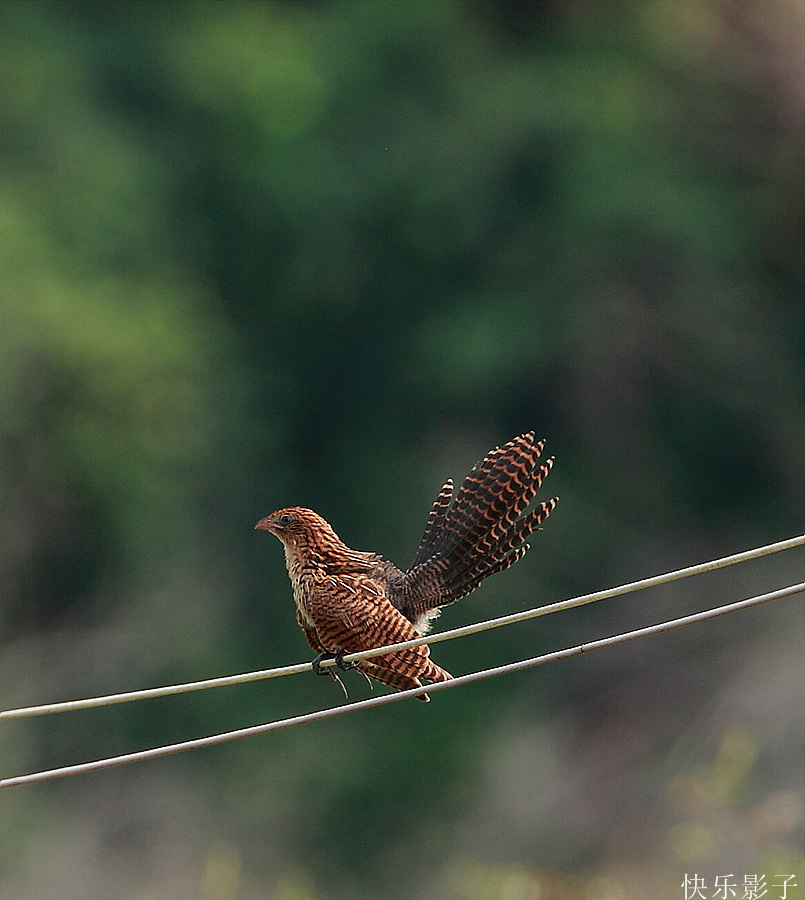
286	519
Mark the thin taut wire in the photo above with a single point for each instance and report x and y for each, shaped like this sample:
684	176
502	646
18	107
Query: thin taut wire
461	680
464	631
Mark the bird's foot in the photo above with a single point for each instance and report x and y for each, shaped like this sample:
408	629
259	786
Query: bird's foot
329	671
319	660
346	666
342	664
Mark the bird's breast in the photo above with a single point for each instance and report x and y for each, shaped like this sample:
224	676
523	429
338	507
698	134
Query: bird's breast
304	590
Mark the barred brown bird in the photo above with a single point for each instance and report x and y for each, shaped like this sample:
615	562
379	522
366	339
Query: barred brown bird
349	600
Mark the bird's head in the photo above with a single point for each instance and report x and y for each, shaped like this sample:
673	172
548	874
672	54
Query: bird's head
299	528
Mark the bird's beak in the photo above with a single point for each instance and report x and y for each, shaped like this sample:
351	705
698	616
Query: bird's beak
265	525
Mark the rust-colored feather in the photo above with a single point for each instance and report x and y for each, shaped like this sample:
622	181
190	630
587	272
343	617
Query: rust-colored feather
481	534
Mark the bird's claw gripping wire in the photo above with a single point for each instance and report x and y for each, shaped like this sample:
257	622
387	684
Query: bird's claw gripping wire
346	666
328	671
340	662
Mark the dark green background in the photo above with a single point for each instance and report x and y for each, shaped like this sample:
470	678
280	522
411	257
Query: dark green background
328	254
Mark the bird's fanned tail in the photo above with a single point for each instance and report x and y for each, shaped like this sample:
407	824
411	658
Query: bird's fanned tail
482	533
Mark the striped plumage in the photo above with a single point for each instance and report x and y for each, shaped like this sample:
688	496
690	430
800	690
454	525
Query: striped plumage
348	600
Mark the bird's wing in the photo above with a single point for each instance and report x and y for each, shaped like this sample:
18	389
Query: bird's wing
358	616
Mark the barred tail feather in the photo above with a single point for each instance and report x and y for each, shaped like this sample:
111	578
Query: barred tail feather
482	533
436	517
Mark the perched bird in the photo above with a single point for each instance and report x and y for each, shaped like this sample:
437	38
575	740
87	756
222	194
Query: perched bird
348	600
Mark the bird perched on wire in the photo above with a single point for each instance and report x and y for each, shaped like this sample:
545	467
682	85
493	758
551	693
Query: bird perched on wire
349	600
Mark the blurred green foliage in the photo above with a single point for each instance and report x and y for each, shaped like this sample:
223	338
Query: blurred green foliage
328	253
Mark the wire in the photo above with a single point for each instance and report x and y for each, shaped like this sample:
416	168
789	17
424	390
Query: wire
461	680
654	581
